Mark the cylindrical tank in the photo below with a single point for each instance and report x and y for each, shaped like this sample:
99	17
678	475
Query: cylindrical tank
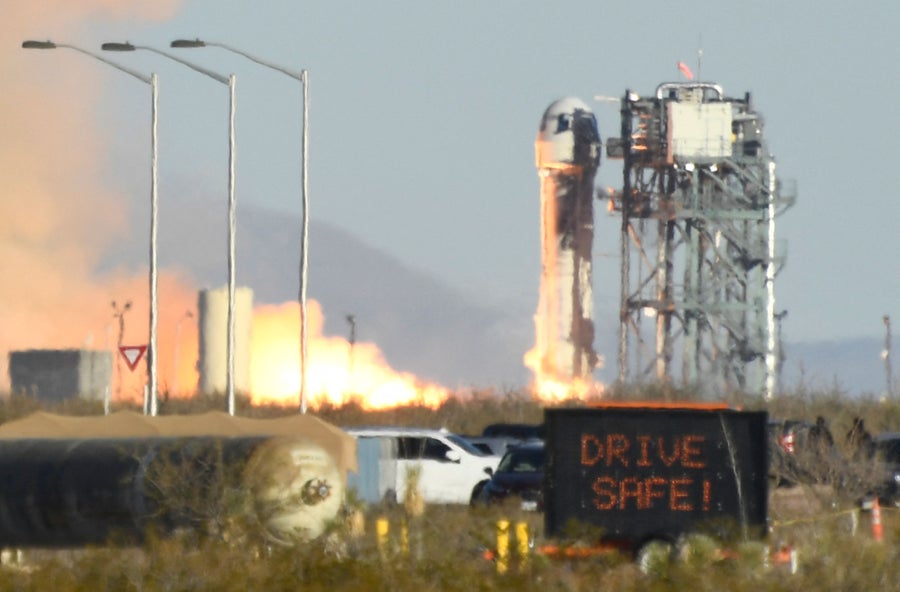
212	321
63	493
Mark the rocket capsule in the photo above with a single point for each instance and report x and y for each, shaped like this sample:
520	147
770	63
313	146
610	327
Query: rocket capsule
567	152
568	137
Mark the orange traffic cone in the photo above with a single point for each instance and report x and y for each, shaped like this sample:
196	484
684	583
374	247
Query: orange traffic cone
877	528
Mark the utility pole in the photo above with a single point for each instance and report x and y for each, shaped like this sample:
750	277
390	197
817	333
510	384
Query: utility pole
187	315
351	320
886	354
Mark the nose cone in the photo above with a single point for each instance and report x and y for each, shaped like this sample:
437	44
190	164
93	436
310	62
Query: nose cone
568	136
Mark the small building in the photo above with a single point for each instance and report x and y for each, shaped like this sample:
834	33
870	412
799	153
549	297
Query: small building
54	375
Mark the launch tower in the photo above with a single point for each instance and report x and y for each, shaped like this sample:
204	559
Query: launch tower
698	255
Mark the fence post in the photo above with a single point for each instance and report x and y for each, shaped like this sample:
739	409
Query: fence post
381	532
502	546
522	543
404	538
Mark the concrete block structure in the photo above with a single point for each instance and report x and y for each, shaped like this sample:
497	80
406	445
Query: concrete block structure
54	375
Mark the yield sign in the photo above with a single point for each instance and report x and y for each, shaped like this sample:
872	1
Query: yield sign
132	354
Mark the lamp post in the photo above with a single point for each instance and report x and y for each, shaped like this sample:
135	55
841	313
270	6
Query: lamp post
152	80
351	320
886	353
230	82
187	315
303	77
119	313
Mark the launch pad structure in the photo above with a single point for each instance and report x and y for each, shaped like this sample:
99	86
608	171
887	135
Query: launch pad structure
698	253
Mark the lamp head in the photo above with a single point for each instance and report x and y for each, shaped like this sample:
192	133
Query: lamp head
117	47
38	45
187	43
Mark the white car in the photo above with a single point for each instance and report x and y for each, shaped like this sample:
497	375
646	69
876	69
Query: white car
451	469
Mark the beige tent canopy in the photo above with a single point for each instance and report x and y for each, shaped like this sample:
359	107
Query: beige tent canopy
128	424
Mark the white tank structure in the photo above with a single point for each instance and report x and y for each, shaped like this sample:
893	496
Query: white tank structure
212	323
296	489
567	153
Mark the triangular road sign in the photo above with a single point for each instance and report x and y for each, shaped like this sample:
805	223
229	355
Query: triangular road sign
132	354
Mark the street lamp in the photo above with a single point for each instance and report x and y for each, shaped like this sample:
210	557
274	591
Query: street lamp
351	320
230	82
119	313
152	80
303	77
187	315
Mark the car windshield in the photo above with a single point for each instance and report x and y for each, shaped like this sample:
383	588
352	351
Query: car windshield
524	460
513	430
890	450
466	445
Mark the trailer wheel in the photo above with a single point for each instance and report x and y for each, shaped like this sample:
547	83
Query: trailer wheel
654	557
697	550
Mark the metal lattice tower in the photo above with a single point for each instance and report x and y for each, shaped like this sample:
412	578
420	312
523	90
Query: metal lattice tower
698	255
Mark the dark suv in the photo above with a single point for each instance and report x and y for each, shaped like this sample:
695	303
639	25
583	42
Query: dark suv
520	475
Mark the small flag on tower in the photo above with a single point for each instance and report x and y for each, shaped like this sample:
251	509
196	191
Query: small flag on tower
685	70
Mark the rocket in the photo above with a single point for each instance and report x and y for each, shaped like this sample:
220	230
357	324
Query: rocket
567	152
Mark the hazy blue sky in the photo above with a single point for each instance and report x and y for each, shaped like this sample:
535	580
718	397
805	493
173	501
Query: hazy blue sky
423	117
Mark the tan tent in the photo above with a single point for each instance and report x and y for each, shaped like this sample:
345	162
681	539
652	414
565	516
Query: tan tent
128	424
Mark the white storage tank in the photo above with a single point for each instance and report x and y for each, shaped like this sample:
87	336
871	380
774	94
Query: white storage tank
212	322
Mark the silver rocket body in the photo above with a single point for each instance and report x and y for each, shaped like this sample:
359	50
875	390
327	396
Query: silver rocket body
567	153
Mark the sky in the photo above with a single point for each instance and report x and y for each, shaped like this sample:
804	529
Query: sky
423	117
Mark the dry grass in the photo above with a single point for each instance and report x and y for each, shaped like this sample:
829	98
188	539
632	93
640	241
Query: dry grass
443	548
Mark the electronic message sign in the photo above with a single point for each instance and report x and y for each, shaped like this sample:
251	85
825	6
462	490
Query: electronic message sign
639	473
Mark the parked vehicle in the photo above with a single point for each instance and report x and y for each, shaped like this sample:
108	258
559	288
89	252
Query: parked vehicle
497	438
449	468
886	459
487	446
520	475
797	457
519	431
785	437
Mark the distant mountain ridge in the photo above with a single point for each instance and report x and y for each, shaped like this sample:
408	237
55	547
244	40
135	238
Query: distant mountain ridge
853	366
423	325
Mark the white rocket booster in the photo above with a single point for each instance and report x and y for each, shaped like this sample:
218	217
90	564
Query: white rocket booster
567	153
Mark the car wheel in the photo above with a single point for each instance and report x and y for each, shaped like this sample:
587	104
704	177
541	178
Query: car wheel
476	493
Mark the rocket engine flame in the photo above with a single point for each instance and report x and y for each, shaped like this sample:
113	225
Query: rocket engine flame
338	371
